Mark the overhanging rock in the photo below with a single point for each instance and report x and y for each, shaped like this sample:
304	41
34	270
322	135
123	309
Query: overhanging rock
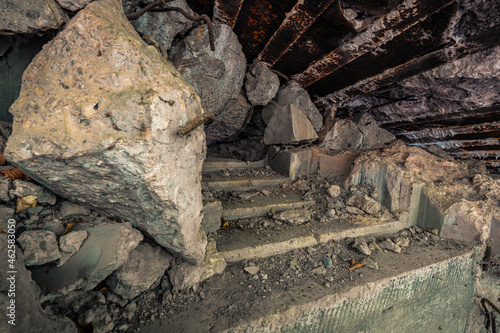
96	123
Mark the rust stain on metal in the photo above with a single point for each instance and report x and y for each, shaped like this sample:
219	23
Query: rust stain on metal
226	11
297	21
405	16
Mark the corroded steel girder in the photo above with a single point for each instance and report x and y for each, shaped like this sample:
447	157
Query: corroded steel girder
226	11
392	24
297	21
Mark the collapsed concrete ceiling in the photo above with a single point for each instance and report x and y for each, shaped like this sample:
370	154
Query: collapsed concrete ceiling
342	51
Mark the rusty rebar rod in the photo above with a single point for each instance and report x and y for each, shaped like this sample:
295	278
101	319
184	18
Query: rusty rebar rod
146	9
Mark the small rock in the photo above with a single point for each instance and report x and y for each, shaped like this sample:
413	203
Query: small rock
362	247
24	188
402	241
39	247
334	191
69	244
370	263
4	189
294	216
34	210
389	245
331	213
319	270
365	203
354	210
301	185
252	269
265	193
327	262
70	210
54	225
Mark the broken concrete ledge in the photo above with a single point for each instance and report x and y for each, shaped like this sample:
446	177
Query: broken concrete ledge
242	183
434	298
264	250
220	164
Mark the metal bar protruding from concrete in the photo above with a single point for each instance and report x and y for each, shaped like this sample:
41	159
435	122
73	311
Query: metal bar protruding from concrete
297	21
383	30
226	11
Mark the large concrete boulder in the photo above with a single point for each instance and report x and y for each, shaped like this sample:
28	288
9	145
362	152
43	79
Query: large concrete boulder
96	123
289	125
20	16
217	76
164	26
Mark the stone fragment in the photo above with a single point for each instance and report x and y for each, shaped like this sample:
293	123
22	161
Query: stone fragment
293	162
252	270
39	247
24	189
98	317
6	213
334	191
186	275
370	263
52	224
402	241
230	121
73	5
327	262
212	214
331	213
69	210
69	244
4	189
217	76
293	93
146	265
294	216
164	26
389	245
106	248
373	136
19	16
345	134
354	210
365	203
362	247
261	85
29	315
34	210
113	150
289	126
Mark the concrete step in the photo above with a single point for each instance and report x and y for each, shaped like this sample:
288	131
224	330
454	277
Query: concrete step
213	164
240	184
427	289
260	205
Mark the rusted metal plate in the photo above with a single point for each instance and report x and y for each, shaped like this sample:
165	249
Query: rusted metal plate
226	11
405	16
257	22
297	21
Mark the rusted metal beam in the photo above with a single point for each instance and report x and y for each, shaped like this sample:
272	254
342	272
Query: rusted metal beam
226	11
297	21
472	144
403	17
478	154
477	131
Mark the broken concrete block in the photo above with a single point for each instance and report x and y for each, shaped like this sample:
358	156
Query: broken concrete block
389	245
69	210
20	16
23	189
30	317
294	216
69	244
261	84
293	162
39	247
340	164
289	125
186	275
113	150
212	214
106	248
293	93
345	134
373	135
365	203
145	265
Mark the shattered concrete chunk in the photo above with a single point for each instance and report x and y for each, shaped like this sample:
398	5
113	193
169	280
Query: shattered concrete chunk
345	134
252	270
39	247
261	84
388	244
113	150
69	244
293	162
289	125
69	210
365	203
145	265
294	216
354	210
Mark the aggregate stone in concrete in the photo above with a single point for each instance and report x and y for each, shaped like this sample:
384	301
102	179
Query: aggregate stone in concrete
19	16
69	210
212	214
145	265
345	134
261	84
164	26
294	216
289	125
69	244
39	247
24	188
106	248
29	315
113	149
185	275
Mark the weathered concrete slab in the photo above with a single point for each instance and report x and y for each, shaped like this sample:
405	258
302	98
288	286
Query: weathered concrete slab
221	164
241	183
